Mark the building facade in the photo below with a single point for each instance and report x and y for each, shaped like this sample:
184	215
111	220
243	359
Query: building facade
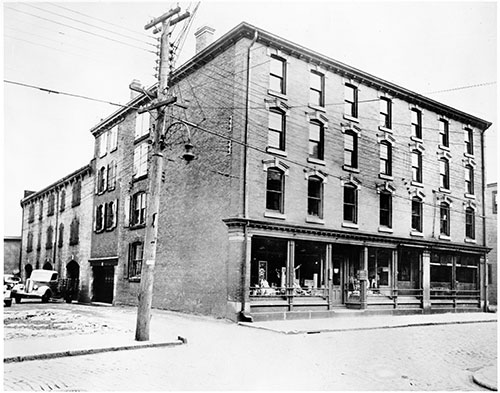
56	229
11	254
492	241
316	186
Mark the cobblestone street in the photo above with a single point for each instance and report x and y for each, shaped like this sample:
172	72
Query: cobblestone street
223	356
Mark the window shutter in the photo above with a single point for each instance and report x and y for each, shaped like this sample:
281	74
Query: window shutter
96	179
95	219
126	212
115	213
105	180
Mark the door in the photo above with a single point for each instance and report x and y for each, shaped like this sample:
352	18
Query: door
103	284
337	282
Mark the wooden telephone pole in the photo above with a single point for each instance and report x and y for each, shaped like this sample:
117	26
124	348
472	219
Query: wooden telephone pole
155	174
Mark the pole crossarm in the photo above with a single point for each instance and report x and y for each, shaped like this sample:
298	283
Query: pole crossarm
165	16
159	104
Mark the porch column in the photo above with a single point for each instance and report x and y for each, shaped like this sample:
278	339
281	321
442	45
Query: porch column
329	272
483	283
290	261
426	280
363	279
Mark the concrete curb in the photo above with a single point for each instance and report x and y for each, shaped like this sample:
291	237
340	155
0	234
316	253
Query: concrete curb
89	351
486	378
333	330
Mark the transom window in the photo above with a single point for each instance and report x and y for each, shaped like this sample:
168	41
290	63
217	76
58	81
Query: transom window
385	158
316	140
416	214
350	204
386	112
277	80
444	132
416	166
386	209
416	123
316	91
351	149
444	173
274	190
470	223
351	100
315	197
276	135
444	210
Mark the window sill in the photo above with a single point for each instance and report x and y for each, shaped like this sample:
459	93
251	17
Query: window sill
444	190
443	147
468	240
134	279
137	226
317	161
351	118
350	169
444	237
385	129
416	139
350	225
141	138
276	94
315	220
385	177
385	229
279	216
417	184
139	178
416	234
277	152
469	196
317	108
468	155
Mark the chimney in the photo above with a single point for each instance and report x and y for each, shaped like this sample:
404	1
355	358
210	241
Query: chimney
28	193
204	37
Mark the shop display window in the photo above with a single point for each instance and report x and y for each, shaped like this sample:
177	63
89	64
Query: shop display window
268	266
309	268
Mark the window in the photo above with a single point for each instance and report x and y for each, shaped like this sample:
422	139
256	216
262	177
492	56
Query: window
138	209
351	149
416	166
136	251
316	91
386	209
29	242
469	141
141	160
31	213
444	214
386	112
102	144
276	136
350	204
113	138
110	210
50	236
62	202
99	218
386	158
39	242
444	173
277	80
74	232
351	100
77	191
51	204
274	190
444	132
315	197
111	176
316	140
416	123
469	179
40	213
101	180
494	202
416	214
61	236
470	223
142	124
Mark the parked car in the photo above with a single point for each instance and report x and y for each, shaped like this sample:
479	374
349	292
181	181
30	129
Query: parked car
44	285
11	280
7	299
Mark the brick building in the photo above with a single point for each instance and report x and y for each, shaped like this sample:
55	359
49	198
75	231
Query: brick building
316	186
492	240
11	254
56	229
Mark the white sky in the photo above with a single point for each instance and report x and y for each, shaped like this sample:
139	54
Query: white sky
422	46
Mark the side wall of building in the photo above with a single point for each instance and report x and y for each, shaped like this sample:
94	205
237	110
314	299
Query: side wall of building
11	255
492	241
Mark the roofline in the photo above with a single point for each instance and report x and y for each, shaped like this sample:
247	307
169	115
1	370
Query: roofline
12	238
78	172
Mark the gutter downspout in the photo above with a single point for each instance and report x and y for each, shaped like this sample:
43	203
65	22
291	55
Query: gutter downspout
483	188
56	231
243	316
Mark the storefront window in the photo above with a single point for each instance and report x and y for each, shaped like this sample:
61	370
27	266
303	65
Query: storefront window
409	270
441	271
379	268
309	268
467	273
268	266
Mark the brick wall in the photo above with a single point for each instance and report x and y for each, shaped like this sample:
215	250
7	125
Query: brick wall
11	255
492	232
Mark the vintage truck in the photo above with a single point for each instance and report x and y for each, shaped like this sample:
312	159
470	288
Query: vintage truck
46	285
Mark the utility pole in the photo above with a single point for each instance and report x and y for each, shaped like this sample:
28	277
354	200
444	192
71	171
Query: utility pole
155	174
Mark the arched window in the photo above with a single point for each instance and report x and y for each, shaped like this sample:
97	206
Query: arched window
416	166
315	197
416	214
470	223
62	203
50	237
386	158
275	190
350	203
74	232
60	238
444	173
444	213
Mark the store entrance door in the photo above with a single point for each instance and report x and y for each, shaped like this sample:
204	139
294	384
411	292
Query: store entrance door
103	284
338	264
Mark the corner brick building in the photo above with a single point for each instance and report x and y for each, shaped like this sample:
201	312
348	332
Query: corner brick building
316	187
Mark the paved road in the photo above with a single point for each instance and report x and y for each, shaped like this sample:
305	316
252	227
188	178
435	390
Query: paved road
223	356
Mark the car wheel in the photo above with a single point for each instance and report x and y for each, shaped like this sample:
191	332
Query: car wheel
18	299
8	303
46	297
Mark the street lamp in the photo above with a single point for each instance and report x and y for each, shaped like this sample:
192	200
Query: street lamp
188	155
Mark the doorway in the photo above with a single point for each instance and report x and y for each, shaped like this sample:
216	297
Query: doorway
103	284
